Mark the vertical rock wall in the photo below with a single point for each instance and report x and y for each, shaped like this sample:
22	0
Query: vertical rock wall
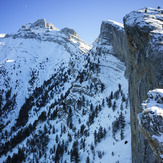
113	34
140	45
145	70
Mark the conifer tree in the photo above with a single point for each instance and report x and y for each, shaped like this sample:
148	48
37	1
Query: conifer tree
95	137
69	119
75	157
87	159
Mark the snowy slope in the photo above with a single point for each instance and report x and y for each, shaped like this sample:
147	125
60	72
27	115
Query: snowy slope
59	103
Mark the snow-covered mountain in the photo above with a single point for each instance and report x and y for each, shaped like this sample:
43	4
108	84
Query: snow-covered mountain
62	100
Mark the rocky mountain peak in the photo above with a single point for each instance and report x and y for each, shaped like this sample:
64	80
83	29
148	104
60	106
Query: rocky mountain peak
69	31
41	30
113	34
106	31
43	24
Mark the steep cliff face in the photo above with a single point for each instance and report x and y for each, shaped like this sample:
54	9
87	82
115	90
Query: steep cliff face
139	44
113	34
145	69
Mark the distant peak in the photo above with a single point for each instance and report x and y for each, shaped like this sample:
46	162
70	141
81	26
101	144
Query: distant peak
43	24
69	31
40	22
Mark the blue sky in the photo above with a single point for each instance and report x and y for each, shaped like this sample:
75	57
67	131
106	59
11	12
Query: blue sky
85	16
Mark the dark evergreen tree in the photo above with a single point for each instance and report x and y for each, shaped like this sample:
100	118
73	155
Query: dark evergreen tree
57	154
92	147
82	129
69	119
103	102
111	95
116	95
95	137
96	111
104	133
83	99
123	98
70	137
122	120
79	104
121	107
83	112
109	103
100	134
75	157
84	144
102	87
53	130
122	134
115	126
56	138
99	107
81	77
114	106
119	86
45	129
87	159
91	117
91	107
91	86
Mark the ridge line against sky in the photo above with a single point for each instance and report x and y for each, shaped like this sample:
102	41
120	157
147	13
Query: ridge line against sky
84	16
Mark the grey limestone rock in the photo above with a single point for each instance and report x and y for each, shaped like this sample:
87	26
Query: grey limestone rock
139	45
151	122
69	31
43	24
145	70
113	33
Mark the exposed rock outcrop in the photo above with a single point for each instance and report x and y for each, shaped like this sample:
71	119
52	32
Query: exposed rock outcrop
113	34
151	122
43	31
69	31
72	35
41	23
145	70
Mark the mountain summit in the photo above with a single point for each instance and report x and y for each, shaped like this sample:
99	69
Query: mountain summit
43	24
